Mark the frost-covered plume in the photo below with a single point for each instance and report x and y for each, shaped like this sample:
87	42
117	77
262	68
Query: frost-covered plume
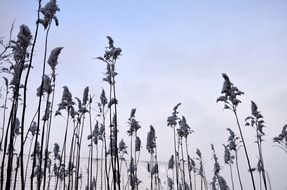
103	98
191	164
37	150
56	151
216	167
232	144
86	96
172	120
46	86
82	106
112	52
96	134
19	47
17	127
154	169
138	144
133	123
33	128
49	13
151	140
256	121
47	111
66	102
111	55
230	94
184	129
281	139
123	147
200	172
228	158
171	162
19	50
53	59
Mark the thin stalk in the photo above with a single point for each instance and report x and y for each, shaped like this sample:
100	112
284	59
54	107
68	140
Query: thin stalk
194	180
131	158
18	160
187	155
88	171
79	147
111	140
23	180
102	150
12	134
231	175
5	146
116	137
27	163
260	180
245	149
71	161
269	181
150	167
75	154
97	164
75	151
48	135
15	176
261	159
175	156
136	162
105	146
91	131
237	168
63	153
201	186
39	106
42	145
157	177
4	117
183	167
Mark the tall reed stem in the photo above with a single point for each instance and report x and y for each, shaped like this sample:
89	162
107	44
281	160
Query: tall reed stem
244	146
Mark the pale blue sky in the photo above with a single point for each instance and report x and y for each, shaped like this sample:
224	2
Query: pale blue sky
175	51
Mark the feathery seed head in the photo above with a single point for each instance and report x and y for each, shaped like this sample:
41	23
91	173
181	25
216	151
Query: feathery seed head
49	12
53	58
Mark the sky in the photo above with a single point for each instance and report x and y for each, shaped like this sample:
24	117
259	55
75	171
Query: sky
173	51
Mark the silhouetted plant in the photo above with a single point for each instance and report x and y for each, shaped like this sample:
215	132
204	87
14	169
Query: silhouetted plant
233	146
228	159
110	57
183	131
132	132
151	147
201	171
256	121
231	101
172	122
218	182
